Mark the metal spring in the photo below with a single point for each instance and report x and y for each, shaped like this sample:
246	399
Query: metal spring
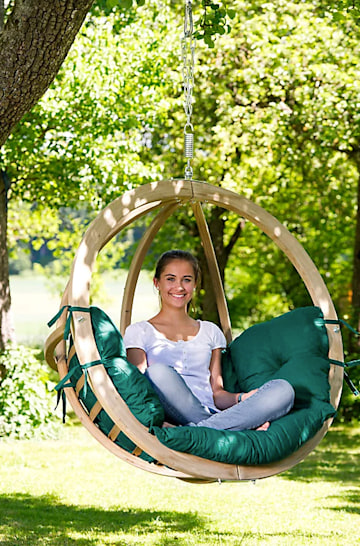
189	145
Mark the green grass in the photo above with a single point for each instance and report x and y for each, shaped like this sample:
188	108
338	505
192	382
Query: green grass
72	491
34	305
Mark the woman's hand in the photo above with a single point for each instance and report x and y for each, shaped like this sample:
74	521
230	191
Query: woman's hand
245	395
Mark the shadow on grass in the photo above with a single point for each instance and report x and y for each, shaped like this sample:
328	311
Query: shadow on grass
337	458
348	502
30	520
27	519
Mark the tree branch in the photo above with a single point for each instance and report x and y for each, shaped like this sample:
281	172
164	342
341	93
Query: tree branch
235	236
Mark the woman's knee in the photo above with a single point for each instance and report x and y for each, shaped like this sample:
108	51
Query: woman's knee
284	391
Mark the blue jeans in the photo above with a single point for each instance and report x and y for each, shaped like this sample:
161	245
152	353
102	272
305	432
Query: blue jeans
271	401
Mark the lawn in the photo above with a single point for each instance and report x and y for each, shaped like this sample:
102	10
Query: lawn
34	304
72	491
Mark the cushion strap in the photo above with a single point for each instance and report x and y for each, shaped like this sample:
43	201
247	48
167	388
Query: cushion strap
350	364
70	310
63	384
85	368
351	385
341	321
337	362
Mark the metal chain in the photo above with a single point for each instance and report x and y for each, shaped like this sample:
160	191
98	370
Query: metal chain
188	56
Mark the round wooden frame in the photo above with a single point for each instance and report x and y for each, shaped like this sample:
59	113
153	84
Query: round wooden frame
168	195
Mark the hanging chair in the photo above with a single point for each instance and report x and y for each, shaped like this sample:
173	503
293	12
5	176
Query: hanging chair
167	196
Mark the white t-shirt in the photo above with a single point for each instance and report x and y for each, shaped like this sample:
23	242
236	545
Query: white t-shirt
191	359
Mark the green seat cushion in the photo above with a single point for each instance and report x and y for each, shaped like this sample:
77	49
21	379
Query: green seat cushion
130	383
294	347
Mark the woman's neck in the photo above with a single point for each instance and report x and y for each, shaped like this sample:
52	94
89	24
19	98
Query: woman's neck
175	325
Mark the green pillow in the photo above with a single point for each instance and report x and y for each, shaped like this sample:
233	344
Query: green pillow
293	346
129	382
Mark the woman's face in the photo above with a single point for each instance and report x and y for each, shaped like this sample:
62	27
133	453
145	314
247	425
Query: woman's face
176	284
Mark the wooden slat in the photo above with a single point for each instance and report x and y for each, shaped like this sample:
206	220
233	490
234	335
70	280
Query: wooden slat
214	271
72	353
137	262
95	410
55	345
80	384
114	432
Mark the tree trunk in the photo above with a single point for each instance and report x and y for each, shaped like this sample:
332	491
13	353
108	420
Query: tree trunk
33	45
7	333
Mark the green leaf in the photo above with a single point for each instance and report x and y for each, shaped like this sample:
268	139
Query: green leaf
209	41
125	4
112	3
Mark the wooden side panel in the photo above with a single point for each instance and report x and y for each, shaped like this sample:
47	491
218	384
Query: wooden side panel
214	271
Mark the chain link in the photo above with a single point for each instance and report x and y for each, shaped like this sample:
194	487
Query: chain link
188	58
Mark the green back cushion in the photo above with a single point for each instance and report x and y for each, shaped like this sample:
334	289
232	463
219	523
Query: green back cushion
130	383
293	346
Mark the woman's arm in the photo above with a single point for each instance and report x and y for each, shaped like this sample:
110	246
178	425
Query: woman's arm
222	398
138	358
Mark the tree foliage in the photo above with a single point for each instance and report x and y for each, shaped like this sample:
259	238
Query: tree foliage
26	404
275	118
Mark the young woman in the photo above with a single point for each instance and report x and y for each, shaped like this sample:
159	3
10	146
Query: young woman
182	359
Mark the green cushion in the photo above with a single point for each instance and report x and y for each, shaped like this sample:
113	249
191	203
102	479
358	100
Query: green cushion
249	447
293	346
130	383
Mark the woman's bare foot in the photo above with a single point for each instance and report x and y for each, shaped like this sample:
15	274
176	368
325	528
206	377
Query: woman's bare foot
167	425
265	426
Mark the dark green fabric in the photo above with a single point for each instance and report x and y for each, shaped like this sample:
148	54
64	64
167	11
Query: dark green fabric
293	346
132	385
